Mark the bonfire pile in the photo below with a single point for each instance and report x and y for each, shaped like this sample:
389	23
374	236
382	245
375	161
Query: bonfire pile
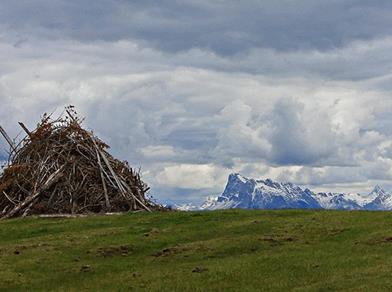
60	168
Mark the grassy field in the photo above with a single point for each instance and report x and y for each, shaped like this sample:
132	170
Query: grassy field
207	251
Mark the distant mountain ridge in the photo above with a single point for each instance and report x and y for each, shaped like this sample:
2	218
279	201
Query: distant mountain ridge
246	193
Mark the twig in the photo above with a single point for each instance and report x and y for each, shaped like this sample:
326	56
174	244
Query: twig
25	129
7	138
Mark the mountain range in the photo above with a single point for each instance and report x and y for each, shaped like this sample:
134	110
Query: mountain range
247	193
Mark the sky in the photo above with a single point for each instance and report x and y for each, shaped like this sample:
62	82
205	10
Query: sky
193	90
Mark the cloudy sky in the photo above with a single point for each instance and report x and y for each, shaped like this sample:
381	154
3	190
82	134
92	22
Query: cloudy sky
193	90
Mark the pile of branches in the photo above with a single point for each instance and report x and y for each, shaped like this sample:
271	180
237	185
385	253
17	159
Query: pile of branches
61	168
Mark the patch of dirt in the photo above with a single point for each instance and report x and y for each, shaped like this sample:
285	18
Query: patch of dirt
152	232
20	248
86	269
111	251
376	241
171	251
108	233
336	231
274	241
168	252
199	270
271	241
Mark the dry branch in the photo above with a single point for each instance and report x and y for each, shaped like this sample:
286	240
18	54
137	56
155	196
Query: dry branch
7	138
60	168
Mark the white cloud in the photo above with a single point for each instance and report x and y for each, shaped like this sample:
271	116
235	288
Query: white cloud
192	176
192	117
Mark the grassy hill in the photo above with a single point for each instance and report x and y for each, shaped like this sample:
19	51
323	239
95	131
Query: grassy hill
208	251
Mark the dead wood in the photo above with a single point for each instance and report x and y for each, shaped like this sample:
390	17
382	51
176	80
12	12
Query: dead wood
61	168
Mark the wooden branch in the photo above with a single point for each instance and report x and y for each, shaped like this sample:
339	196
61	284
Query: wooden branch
27	210
130	191
70	115
9	199
103	180
25	129
7	138
119	182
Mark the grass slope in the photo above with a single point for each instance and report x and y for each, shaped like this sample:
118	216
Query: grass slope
208	251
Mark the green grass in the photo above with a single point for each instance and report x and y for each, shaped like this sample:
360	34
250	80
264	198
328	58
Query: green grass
204	251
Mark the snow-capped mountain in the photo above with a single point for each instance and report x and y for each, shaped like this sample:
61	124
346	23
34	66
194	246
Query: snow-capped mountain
247	193
338	201
378	199
244	193
382	200
186	207
209	203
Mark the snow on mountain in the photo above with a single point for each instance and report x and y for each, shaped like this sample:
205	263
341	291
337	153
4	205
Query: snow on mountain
246	193
209	203
338	201
186	207
382	200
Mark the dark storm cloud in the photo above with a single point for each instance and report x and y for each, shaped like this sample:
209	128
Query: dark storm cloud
225	27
